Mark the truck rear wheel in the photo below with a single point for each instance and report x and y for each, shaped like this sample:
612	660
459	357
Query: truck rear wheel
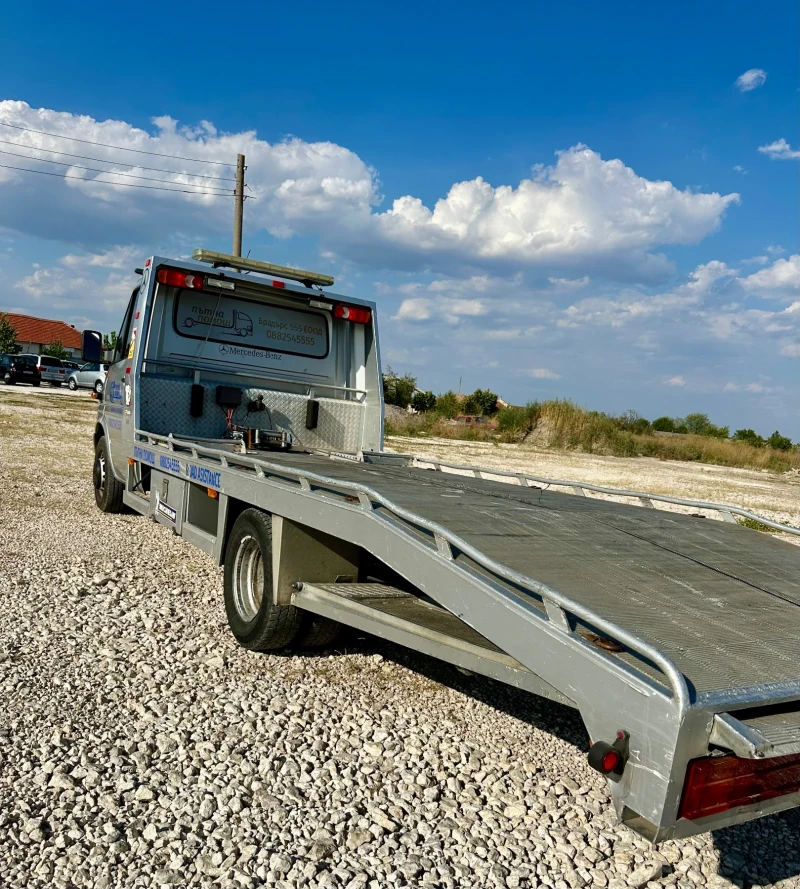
107	489
255	621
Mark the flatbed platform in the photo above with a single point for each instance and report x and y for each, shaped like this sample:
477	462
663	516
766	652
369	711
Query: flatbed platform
722	601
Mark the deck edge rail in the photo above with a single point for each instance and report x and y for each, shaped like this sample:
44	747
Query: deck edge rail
645	498
677	681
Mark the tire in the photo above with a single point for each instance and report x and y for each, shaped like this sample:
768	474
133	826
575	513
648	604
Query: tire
98	387
256	623
8	380
57	385
72	385
107	488
37	383
316	632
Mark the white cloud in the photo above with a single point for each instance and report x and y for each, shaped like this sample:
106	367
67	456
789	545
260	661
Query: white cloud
775	250
542	373
69	295
114	258
583	212
568	284
747	387
617	312
740	169
418	309
791	350
451	310
780	280
675	381
780	150
581	216
751	79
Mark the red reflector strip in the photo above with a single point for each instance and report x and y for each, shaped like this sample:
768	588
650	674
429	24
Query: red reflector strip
180	279
356	314
719	783
278	284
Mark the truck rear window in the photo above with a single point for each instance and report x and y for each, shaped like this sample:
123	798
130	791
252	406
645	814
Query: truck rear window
250	324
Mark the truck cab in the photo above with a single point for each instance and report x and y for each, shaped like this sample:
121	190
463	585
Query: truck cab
304	363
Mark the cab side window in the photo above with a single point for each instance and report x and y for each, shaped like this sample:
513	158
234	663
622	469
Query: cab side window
125	330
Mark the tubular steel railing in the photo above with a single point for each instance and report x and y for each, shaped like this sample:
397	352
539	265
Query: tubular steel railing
559	604
526	480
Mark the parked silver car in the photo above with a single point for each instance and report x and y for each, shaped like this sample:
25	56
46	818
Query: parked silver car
53	370
89	376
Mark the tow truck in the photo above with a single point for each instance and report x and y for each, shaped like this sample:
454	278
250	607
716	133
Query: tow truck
673	631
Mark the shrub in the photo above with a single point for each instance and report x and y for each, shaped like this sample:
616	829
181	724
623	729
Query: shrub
398	390
749	436
481	402
779	442
423	401
447	405
664	424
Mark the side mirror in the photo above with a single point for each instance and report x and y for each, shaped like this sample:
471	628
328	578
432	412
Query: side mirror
92	346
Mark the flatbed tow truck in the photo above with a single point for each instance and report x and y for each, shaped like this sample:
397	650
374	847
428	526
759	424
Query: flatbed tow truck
675	635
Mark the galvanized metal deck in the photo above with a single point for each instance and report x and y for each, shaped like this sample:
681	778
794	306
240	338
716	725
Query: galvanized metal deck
721	600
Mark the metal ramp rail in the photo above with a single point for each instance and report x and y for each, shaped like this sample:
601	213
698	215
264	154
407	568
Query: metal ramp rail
526	479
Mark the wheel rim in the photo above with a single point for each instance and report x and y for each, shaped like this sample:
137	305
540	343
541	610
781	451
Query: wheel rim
98	387
100	473
248	578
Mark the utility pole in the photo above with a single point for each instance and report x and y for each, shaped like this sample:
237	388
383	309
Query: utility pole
238	208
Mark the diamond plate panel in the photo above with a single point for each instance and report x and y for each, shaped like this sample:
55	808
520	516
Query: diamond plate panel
164	409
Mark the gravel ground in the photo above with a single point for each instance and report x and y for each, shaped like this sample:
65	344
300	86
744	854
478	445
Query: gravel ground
140	747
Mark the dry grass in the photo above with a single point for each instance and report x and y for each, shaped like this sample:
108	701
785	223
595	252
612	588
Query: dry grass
563	425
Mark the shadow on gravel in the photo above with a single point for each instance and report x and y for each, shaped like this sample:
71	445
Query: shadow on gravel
549	716
762	852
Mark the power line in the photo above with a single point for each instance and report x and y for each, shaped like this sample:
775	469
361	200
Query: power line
43	160
116	184
177	157
83	157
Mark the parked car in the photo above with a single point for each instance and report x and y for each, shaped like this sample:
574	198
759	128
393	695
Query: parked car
475	420
51	369
70	365
89	376
19	369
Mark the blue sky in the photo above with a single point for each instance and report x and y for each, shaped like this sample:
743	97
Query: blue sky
549	201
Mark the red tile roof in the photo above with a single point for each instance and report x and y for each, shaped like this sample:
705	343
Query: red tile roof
43	331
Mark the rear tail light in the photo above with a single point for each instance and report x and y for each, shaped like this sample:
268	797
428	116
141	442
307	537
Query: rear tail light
356	314
719	783
180	279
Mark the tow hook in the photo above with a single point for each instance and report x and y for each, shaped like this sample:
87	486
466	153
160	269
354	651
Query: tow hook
610	759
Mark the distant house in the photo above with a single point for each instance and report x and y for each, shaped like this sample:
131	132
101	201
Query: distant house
34	334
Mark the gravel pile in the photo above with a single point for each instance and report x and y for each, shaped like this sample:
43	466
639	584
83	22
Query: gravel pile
140	747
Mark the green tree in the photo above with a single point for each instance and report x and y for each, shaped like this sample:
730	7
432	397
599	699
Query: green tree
398	390
664	424
482	402
447	405
779	442
110	341
8	337
56	350
423	401
750	436
633	421
717	431
696	424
